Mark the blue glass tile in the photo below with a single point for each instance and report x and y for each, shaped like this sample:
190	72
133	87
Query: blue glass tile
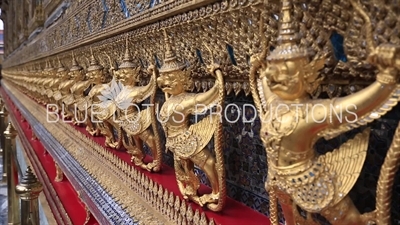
337	44
231	54
153	3
158	64
105	14
88	21
198	53
124	8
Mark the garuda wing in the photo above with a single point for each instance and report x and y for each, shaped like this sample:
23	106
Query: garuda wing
346	163
331	177
195	138
136	123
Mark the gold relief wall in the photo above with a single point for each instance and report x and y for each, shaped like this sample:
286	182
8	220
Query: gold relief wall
229	31
234	26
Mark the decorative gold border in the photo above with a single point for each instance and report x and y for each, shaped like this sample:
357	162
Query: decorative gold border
162	11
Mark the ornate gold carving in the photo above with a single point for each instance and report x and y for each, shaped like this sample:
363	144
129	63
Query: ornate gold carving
188	142
296	175
60	212
70	99
108	170
239	31
88	20
385	183
119	110
318	22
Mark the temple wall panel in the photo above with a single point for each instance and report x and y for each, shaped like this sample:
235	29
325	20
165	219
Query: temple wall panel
200	33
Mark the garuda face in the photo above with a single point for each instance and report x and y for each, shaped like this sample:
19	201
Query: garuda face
173	82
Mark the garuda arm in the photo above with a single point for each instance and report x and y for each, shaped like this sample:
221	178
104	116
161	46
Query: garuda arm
374	101
204	101
138	94
259	86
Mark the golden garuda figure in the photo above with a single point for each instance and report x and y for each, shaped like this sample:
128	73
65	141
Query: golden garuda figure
29	83
77	92
97	77
55	95
188	142
50	74
36	83
107	112
136	124
41	78
292	122
64	89
32	83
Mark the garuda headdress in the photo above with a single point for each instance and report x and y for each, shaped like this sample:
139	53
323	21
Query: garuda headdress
288	38
171	62
288	48
94	64
61	67
75	65
127	61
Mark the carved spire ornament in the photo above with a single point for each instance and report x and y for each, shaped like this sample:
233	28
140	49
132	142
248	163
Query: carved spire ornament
127	61
94	64
171	63
288	37
61	67
75	65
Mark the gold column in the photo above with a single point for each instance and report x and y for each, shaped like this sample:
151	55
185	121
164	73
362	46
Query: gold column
12	175
3	120
29	190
